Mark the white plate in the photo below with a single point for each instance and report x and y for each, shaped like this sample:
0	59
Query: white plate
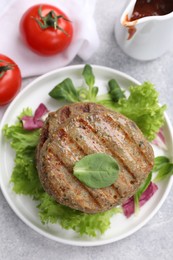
24	207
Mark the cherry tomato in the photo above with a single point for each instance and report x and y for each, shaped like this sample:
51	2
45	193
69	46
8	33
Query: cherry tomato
46	29
10	79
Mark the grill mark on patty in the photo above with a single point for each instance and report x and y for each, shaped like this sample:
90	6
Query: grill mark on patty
104	141
67	141
138	150
116	189
122	179
130	138
120	176
126	137
60	162
63	135
80	183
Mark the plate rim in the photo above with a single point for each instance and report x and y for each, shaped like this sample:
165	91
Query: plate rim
75	242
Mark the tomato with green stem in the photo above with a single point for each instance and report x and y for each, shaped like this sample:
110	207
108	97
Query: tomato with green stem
46	29
10	79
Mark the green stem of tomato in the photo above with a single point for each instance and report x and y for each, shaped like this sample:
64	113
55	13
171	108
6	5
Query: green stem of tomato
3	69
50	20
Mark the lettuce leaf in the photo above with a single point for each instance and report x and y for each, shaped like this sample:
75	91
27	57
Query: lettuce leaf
24	176
25	181
89	224
142	107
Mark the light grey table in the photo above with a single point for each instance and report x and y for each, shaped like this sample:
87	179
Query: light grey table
155	239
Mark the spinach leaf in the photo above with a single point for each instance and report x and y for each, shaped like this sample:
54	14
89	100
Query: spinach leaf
115	91
65	91
97	170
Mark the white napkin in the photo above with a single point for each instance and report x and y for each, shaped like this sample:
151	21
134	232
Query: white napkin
85	41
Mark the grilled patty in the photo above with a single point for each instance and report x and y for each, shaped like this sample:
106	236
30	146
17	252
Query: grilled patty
67	137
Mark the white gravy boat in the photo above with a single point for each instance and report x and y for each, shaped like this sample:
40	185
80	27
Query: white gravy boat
152	38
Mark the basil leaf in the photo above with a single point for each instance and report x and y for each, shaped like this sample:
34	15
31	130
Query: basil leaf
115	91
165	170
97	170
65	91
88	75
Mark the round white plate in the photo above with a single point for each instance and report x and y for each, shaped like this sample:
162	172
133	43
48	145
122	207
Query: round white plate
36	93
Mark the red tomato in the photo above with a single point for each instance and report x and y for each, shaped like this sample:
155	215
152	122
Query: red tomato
10	79
46	29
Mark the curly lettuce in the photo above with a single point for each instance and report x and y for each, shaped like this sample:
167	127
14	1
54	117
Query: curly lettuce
82	223
142	107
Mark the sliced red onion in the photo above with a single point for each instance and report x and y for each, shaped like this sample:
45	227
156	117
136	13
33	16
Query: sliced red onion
35	121
129	205
160	140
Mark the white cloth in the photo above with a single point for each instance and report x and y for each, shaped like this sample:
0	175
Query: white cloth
85	41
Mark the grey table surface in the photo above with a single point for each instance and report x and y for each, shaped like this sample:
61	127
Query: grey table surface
154	240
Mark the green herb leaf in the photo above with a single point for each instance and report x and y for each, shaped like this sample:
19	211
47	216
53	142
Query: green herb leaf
141	189
90	81
165	170
115	91
88	75
159	161
65	91
83	94
144	185
97	170
94	91
162	167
